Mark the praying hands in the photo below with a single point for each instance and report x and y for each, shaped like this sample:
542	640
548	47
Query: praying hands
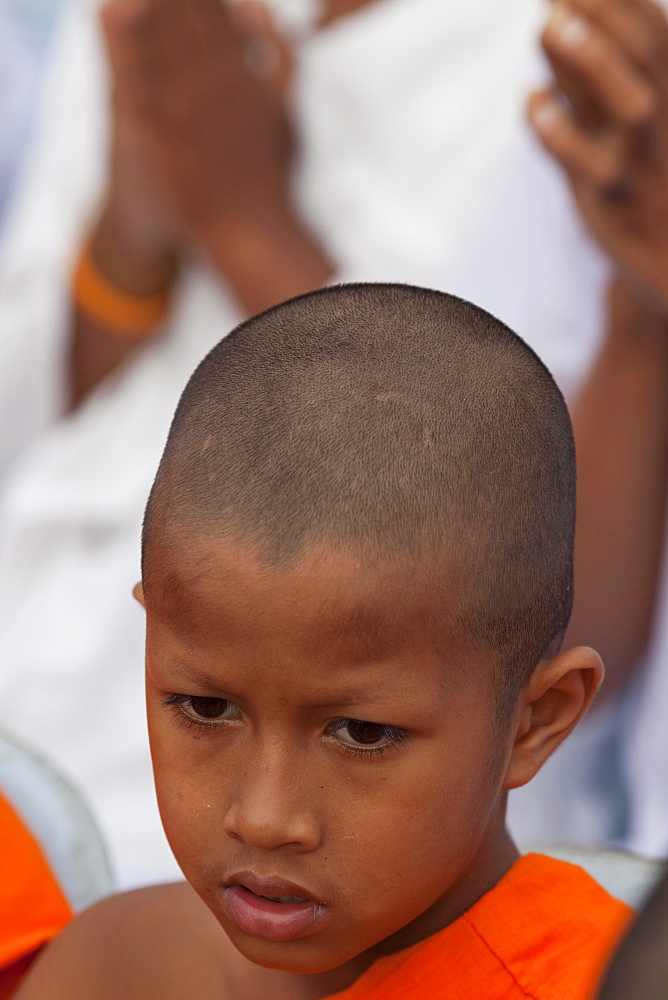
203	146
201	157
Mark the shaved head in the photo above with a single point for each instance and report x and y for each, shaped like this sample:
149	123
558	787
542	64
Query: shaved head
397	423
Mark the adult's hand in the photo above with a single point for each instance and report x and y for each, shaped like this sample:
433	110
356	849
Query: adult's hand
203	125
605	120
201	158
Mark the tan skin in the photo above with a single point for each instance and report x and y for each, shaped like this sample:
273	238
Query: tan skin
260	766
610	60
202	150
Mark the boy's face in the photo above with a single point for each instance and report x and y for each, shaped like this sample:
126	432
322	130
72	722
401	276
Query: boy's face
321	733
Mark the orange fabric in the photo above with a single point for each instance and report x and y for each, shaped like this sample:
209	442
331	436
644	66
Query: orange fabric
32	906
133	316
545	932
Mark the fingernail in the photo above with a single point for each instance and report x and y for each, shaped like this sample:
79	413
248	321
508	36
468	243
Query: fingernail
571	30
547	116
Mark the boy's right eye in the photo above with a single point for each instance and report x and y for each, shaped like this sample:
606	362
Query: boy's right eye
203	711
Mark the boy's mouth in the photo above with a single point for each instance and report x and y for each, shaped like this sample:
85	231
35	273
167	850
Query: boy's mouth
270	908
284	899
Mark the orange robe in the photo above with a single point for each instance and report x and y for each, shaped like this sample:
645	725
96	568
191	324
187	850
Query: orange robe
32	905
545	932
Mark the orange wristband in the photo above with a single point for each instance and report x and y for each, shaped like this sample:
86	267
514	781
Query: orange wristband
125	314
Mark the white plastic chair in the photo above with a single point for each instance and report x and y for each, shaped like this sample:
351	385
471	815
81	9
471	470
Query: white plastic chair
56	815
626	876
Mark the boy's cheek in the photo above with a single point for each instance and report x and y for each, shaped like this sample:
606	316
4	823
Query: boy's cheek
408	828
192	822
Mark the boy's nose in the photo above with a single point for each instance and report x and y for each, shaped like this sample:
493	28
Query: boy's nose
271	808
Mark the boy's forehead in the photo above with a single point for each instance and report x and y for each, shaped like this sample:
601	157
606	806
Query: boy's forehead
205	583
330	629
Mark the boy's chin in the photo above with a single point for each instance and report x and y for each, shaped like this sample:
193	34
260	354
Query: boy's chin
303	957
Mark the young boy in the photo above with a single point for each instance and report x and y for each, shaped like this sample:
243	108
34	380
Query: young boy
357	571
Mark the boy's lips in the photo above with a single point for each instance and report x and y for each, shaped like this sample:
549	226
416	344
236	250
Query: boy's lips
270	907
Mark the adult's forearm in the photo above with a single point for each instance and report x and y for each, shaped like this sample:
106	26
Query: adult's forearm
268	263
263	265
97	349
95	353
621	430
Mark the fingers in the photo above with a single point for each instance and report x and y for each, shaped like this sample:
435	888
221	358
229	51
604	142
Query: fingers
158	49
596	159
610	62
602	82
639	27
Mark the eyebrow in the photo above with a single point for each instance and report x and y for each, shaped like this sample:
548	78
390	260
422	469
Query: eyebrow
346	697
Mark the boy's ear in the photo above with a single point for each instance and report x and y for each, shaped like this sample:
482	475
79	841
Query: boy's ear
138	593
556	697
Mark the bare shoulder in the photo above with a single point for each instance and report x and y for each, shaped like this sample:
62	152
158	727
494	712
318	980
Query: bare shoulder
157	942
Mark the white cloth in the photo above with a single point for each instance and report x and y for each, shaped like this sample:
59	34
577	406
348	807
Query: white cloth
297	19
24	31
408	112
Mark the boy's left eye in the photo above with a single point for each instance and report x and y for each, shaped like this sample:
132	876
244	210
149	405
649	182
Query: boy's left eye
364	733
359	735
